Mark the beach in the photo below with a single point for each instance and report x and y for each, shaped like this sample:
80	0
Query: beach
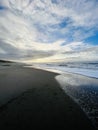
32	98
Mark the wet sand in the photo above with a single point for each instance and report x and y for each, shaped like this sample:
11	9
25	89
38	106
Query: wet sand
31	98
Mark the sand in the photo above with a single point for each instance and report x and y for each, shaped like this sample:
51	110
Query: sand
31	99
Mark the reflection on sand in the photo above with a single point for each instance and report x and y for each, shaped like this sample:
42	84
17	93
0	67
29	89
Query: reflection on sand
84	91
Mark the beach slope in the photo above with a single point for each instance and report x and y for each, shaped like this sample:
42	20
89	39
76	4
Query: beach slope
31	98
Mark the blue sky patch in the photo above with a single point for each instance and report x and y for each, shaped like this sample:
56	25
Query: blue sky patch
93	39
64	23
2	8
54	1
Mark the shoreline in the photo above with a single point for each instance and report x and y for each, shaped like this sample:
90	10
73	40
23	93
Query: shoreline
43	102
63	72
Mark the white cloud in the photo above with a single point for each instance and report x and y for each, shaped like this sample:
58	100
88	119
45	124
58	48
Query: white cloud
38	28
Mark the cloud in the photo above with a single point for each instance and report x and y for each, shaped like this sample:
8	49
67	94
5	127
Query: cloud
76	52
33	29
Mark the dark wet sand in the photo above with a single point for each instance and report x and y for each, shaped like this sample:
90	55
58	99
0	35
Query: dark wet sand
31	99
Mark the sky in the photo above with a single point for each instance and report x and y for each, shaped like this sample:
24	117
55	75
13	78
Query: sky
49	30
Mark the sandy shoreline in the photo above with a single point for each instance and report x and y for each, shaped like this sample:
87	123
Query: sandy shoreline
35	99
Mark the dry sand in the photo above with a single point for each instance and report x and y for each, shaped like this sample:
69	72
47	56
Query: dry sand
31	98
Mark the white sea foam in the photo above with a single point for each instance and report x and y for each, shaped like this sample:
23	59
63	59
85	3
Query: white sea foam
90	70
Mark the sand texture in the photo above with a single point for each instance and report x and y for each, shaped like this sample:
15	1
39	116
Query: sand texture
31	99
